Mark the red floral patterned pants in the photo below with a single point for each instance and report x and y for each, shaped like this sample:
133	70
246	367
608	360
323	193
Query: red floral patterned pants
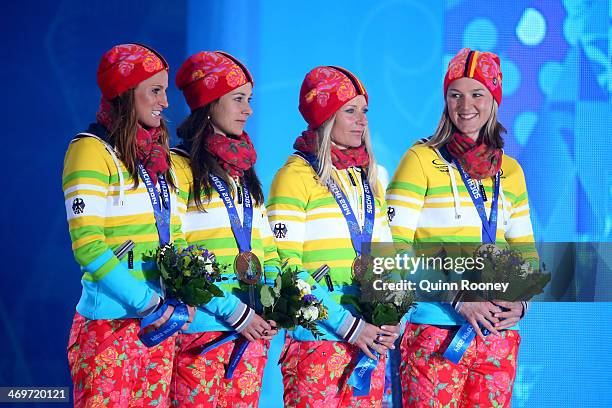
199	380
483	378
111	367
315	375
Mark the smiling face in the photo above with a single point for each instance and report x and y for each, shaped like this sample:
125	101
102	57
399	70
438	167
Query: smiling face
230	113
150	99
350	123
469	106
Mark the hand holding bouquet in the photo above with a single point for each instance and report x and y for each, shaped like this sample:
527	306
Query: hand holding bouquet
187	279
380	308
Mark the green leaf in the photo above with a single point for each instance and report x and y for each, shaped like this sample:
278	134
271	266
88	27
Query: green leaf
215	291
267	296
278	285
164	272
385	314
282	306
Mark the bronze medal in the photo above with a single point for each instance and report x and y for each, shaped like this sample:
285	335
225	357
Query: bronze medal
484	249
247	268
361	265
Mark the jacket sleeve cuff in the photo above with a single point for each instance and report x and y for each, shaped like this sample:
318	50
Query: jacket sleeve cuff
458	301
241	317
525	308
350	329
152	306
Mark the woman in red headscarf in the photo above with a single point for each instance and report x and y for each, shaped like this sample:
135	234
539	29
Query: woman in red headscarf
225	214
312	228
111	177
450	188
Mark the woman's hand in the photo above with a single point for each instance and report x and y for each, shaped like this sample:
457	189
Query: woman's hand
161	320
191	310
387	339
167	315
267	335
481	314
376	338
510	317
256	329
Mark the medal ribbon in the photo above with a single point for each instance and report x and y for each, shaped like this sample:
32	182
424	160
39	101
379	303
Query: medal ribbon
172	325
489	227
361	239
242	232
463	338
220	341
161	211
361	377
161	207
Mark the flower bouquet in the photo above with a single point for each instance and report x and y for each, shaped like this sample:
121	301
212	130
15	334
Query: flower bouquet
290	303
188	277
189	274
508	265
516	279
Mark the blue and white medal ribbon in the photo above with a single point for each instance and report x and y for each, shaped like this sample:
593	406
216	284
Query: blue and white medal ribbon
171	326
220	341
361	376
161	205
464	337
162	211
242	233
361	238
489	227
460	343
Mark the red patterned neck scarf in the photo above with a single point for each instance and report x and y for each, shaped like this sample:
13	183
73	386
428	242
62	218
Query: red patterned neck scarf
149	151
235	155
341	158
477	159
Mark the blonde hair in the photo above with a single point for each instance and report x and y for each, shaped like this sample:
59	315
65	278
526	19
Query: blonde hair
324	143
490	133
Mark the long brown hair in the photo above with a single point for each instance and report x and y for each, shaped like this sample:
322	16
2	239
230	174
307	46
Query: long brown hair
122	134
194	131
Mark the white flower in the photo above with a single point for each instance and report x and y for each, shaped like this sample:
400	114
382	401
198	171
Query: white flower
303	287
526	269
208	267
310	313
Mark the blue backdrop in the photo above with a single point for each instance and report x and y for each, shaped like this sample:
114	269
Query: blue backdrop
556	60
